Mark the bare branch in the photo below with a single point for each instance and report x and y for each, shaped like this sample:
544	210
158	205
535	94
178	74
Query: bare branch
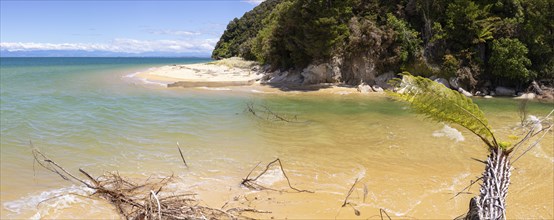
181	153
252	184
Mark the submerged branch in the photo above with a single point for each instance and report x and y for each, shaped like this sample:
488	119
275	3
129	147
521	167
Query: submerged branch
265	113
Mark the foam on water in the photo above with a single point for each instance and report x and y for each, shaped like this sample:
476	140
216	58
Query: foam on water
261	92
450	133
215	88
271	176
49	201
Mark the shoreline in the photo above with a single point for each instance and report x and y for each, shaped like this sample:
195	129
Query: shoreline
235	74
239	75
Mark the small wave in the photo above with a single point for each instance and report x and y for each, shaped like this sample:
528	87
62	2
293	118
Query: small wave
215	88
450	133
258	91
133	77
57	199
148	82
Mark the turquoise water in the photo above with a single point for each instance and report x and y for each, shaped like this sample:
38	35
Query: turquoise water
87	113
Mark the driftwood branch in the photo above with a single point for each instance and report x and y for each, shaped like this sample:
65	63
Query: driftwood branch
252	184
381	212
143	201
265	113
349	193
182	157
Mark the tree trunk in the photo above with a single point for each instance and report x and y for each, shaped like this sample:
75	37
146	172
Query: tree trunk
491	203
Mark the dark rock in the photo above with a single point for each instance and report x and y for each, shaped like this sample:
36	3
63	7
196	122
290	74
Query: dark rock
442	81
454	83
377	88
504	91
322	73
383	79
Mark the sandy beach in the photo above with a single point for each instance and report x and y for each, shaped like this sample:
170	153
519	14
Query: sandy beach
203	72
231	74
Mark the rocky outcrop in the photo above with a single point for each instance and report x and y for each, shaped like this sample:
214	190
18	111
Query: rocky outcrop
535	86
454	82
322	73
364	88
282	78
359	69
383	80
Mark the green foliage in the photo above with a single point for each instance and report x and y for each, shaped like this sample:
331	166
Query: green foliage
439	33
442	104
537	35
262	43
460	22
450	66
467	23
408	38
397	34
236	40
307	31
509	60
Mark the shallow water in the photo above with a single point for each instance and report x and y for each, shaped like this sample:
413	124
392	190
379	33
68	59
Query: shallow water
85	113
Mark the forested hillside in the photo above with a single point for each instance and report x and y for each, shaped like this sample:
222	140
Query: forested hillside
480	43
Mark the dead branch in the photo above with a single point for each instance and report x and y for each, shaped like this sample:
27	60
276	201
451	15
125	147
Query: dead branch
143	201
346	202
381	212
263	112
181	153
349	193
531	146
252	184
467	188
52	166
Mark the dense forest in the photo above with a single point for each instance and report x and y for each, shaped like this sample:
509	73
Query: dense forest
481	43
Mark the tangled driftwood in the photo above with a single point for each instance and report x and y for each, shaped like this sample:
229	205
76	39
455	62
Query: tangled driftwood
143	201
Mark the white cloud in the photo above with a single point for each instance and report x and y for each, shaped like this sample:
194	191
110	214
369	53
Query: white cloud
174	32
120	46
254	2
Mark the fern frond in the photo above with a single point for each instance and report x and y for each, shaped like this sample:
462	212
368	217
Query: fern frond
442	104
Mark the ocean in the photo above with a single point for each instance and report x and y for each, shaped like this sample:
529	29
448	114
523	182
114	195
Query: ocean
90	113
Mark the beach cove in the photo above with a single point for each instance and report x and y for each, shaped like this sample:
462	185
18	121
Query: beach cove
104	114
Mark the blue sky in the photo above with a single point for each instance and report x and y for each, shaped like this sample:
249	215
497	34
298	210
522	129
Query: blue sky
135	27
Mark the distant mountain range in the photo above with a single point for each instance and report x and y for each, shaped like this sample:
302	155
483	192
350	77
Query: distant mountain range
82	53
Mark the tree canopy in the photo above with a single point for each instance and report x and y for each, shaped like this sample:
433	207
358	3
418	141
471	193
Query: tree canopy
476	36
